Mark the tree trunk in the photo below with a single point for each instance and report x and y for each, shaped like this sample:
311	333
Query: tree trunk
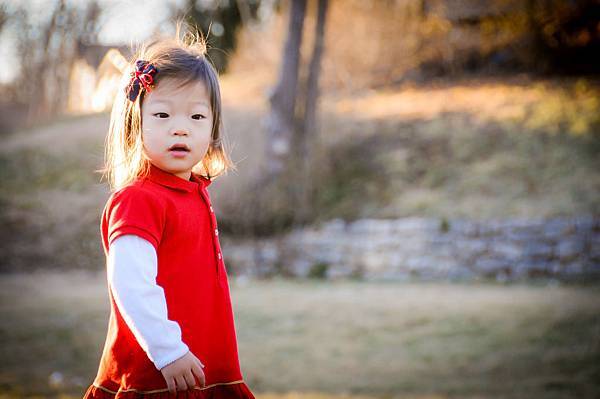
38	82
280	121
309	129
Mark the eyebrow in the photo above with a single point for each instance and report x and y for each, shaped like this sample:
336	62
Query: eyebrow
190	102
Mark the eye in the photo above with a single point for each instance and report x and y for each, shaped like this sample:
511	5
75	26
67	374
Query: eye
198	116
161	115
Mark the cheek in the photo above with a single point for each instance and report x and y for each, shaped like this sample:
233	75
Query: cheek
202	144
148	124
209	129
150	127
204	133
206	138
150	140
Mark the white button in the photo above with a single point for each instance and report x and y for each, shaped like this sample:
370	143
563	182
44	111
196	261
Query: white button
216	232
211	208
219	255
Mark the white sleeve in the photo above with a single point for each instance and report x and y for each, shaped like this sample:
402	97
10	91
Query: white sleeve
132	267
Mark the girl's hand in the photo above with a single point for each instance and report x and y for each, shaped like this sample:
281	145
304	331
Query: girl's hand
179	375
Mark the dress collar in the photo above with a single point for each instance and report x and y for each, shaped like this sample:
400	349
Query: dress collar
170	180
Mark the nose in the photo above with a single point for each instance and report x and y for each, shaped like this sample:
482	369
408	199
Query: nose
180	126
180	132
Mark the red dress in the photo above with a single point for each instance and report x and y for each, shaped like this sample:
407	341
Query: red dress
176	216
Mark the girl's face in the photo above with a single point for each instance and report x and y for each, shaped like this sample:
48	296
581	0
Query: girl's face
176	126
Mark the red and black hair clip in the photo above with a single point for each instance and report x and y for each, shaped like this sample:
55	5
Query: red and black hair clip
142	77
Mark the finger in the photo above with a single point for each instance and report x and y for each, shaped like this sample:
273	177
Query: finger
189	379
181	384
171	385
200	374
199	361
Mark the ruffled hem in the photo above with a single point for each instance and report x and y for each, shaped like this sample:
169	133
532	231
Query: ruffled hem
237	390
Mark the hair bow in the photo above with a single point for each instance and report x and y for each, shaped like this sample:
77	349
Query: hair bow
142	77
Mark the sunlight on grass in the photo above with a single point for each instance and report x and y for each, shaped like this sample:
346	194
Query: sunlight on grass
572	107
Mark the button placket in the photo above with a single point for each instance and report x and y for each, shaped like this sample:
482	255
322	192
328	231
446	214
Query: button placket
213	222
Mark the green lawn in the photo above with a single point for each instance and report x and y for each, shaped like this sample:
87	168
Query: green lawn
318	340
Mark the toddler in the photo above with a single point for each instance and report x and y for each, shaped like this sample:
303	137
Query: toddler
171	330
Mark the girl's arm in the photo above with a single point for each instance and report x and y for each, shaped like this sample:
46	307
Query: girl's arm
132	268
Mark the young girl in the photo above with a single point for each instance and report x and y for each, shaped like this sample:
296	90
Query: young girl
171	329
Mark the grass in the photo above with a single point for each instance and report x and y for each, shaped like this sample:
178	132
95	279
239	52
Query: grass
477	149
311	339
51	197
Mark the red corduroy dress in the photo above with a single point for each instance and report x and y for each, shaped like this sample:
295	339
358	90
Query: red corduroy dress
176	216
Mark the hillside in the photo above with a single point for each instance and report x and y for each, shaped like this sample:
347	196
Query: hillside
471	148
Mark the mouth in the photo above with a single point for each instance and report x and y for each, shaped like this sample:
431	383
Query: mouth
179	148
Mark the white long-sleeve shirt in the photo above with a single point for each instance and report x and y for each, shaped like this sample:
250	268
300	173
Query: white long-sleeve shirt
132	267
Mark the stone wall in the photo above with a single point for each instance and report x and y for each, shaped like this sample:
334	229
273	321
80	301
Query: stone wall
425	248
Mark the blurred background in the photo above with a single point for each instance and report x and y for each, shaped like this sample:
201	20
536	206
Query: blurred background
415	211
